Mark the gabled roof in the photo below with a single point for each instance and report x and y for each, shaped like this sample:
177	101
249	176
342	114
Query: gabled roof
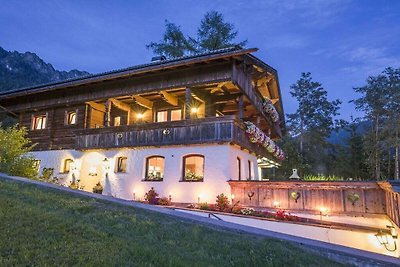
159	65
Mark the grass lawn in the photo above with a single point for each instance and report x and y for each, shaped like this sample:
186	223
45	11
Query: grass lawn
46	227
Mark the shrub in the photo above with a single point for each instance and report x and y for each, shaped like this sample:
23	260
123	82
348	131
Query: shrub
98	188
204	206
164	201
151	197
222	202
14	147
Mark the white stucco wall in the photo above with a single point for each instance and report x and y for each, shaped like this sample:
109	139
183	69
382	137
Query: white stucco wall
220	165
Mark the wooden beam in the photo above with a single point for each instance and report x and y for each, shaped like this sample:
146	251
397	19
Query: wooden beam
225	98
169	98
200	94
241	107
144	102
120	104
96	106
188	103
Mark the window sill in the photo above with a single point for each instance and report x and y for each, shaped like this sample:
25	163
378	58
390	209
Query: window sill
144	180
191	181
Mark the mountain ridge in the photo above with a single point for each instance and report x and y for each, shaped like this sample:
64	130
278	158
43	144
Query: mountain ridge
19	70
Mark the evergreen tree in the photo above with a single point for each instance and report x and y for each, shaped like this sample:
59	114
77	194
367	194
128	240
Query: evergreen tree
214	33
174	43
380	101
313	121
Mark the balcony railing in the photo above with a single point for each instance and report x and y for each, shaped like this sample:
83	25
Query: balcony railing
226	129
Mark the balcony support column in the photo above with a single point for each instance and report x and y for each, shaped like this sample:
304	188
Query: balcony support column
241	107
107	114
188	103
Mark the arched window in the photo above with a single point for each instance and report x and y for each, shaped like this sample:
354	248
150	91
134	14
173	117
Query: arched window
193	168
67	165
154	168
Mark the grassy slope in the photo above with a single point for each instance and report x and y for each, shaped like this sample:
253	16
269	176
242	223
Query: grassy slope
45	227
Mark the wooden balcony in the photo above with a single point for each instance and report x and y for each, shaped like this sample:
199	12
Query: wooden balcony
226	129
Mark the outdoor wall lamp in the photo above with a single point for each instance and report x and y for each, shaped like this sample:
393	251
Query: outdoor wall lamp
92	171
193	110
139	116
383	239
232	198
276	204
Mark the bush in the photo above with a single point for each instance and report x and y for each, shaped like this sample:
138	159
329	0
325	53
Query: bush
204	206
14	147
98	188
164	201
222	202
152	197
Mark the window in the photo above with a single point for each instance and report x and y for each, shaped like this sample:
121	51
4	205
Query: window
39	122
117	121
70	117
155	168
249	165
193	168
176	115
120	164
239	168
169	115
67	165
162	116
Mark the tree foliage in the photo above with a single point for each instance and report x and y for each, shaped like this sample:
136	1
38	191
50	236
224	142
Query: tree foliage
311	125
380	101
14	147
213	33
174	43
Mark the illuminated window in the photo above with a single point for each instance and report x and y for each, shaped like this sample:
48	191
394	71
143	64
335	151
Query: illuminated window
67	165
155	168
120	164
117	121
193	168
239	168
176	115
39	122
70	118
162	116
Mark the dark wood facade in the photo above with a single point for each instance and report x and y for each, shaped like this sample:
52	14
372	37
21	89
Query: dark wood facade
121	108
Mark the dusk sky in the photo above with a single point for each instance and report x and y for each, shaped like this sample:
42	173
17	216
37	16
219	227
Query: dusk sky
340	42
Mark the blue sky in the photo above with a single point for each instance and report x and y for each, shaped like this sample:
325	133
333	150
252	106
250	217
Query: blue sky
340	42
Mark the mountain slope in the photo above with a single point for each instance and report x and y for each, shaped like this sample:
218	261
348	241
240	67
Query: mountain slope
18	70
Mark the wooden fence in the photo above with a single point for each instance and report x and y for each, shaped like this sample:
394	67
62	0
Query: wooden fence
336	197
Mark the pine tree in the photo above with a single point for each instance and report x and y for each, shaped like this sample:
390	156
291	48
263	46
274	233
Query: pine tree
214	33
174	43
313	121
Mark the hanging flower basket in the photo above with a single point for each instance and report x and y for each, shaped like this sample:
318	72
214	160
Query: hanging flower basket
270	109
258	137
